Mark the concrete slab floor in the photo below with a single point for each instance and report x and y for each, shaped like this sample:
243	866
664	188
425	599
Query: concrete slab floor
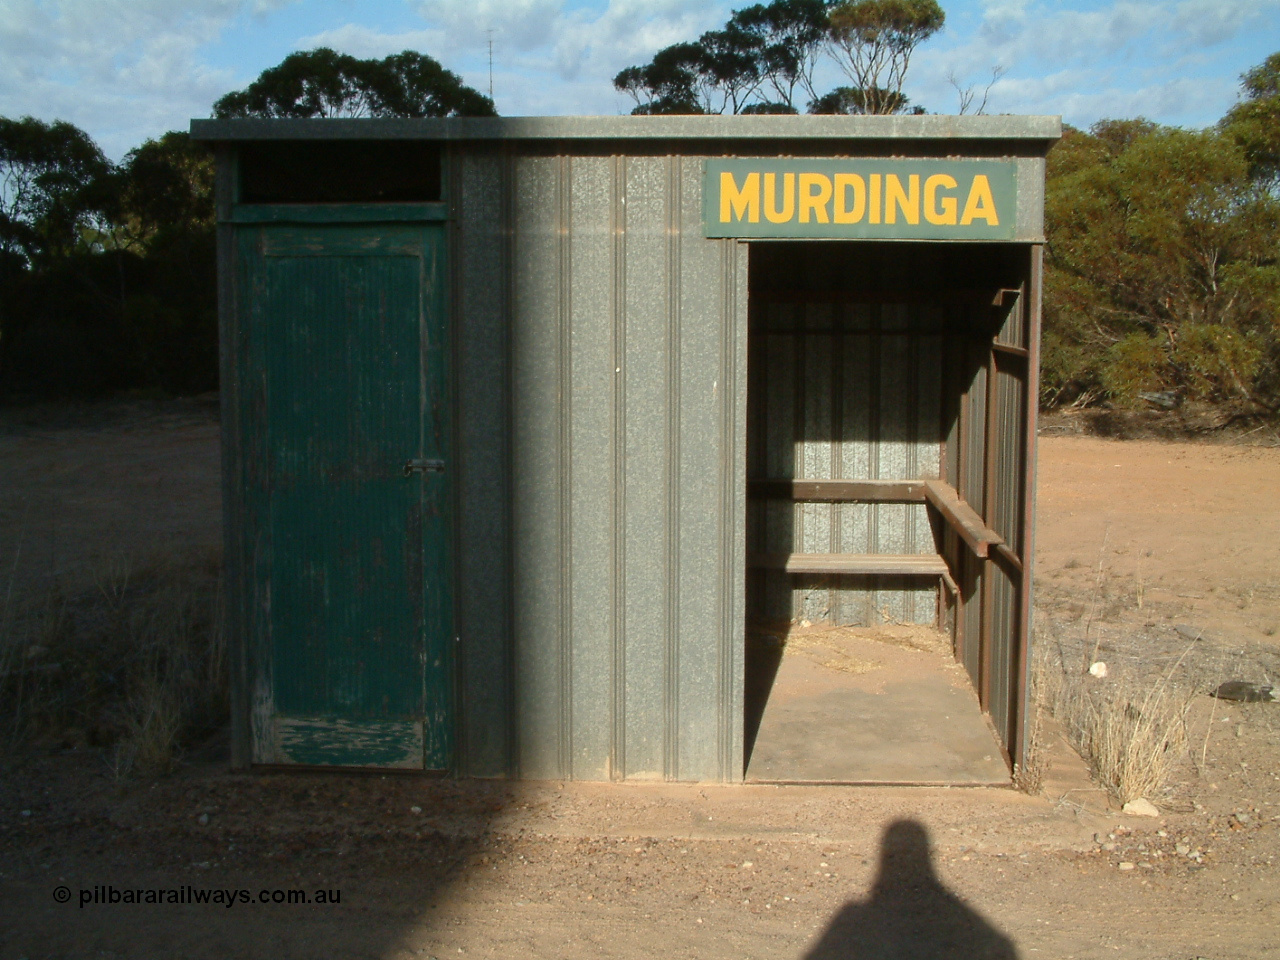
858	705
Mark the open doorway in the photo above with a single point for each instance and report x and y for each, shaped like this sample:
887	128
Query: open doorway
886	510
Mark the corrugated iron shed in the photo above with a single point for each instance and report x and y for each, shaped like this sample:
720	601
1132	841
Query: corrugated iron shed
580	450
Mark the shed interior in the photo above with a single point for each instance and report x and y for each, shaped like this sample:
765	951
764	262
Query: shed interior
887	422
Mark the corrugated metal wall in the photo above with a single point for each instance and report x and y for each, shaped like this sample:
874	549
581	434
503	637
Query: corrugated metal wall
600	342
600	466
987	461
843	391
1007	516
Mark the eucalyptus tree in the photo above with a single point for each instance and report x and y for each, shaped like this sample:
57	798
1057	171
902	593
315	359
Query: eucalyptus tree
872	41
718	74
1162	268
325	83
764	59
792	37
55	188
853	100
1255	122
671	83
166	190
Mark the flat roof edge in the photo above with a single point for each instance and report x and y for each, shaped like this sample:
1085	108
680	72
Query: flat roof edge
930	127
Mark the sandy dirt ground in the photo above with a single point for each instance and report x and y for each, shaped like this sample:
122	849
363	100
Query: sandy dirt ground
1146	552
1190	530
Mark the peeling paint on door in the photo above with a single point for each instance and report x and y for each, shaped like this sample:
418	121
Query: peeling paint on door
345	334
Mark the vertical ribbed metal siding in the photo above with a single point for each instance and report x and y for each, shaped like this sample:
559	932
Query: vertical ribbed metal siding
1007	513
1004	616
483	597
1013	327
846	391
971	488
625	337
647	517
975	440
1007	516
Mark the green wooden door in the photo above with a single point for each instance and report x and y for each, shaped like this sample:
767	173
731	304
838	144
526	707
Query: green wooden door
347	490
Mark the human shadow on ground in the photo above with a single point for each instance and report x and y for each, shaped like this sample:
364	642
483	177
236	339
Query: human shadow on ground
910	914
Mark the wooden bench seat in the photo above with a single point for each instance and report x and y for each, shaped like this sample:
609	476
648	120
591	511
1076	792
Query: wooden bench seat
892	564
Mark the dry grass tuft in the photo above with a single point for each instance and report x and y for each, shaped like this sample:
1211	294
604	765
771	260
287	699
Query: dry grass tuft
1028	776
135	665
1133	735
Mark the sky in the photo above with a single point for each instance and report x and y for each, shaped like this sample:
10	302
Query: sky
129	70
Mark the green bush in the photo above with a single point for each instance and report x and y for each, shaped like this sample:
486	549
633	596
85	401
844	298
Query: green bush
1137	363
1217	363
1162	269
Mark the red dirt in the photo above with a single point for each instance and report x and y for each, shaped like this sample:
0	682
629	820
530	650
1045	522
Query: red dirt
591	870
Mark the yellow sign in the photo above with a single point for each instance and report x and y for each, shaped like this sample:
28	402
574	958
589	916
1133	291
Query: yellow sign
887	199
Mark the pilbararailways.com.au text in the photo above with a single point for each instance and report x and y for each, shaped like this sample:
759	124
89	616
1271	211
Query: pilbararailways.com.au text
110	895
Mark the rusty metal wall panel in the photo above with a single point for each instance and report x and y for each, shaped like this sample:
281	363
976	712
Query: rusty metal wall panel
1012	330
970	583
1026	549
1004	654
952	383
1006	516
481	312
971	486
974	438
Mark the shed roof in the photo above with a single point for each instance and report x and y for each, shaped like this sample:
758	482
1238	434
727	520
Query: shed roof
1042	129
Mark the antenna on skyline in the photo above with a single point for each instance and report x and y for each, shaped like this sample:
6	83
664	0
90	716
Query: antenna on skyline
490	33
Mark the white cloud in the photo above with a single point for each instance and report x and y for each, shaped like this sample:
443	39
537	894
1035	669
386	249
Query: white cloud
115	67
547	59
1154	57
366	43
1210	22
628	32
521	24
127	69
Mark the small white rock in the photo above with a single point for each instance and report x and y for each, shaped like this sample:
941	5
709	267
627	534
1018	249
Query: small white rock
415	809
1142	807
1097	669
1126	865
203	819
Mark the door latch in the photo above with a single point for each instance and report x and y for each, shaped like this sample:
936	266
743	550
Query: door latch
423	466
